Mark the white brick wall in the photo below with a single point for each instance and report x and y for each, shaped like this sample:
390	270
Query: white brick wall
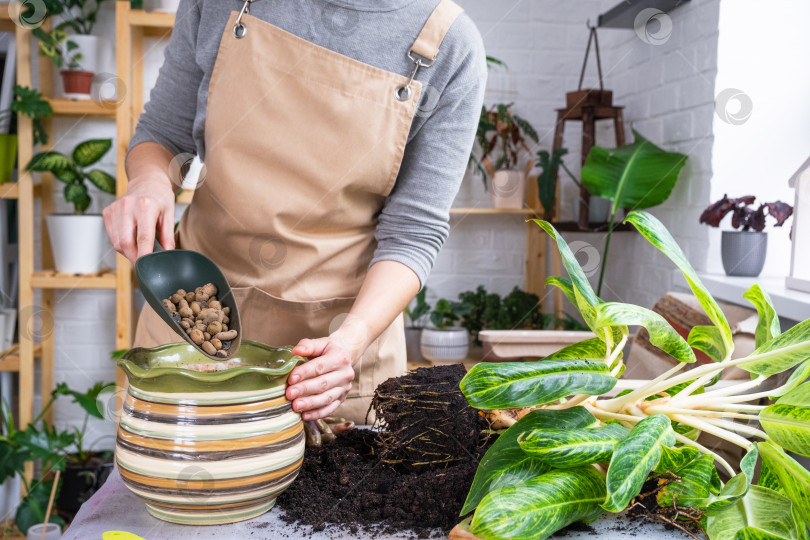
667	89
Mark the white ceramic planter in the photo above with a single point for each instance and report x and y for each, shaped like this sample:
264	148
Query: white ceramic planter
168	6
89	48
504	345
79	243
598	209
446	346
508	189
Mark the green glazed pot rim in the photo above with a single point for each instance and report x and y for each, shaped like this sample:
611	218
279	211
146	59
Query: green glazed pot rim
257	359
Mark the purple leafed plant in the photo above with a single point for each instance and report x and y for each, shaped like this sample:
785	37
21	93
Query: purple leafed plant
743	216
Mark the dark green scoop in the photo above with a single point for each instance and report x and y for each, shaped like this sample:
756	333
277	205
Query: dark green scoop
161	274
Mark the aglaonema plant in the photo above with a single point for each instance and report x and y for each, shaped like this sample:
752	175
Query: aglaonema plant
582	453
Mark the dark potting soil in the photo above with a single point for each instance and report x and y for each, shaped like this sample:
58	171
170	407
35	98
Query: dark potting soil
413	474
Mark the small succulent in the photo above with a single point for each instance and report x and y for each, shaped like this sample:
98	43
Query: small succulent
743	216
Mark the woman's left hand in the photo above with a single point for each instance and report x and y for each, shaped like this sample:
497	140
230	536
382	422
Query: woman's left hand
320	385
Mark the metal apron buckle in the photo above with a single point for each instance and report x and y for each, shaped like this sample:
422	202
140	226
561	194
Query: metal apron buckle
239	28
404	92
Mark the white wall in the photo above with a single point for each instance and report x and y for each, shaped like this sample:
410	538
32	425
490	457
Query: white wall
756	154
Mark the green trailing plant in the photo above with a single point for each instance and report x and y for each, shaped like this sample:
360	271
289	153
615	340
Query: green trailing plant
446	314
29	102
501	138
420	309
54	449
636	176
582	453
73	171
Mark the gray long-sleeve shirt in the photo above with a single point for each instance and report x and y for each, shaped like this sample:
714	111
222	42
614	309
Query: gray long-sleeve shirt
413	224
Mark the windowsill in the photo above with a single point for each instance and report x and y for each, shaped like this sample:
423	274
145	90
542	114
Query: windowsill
789	303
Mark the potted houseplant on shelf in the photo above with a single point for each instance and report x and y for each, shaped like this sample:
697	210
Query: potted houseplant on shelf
549	165
83	471
743	250
79	241
638	176
445	343
514	326
76	55
413	332
27	101
502	137
584	450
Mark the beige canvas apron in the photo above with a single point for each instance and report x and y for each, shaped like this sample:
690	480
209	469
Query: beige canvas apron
303	145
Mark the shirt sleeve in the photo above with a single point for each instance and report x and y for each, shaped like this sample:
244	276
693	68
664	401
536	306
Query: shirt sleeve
168	117
414	222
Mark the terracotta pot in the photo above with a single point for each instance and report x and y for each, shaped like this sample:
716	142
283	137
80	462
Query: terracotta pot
208	448
508	189
77	83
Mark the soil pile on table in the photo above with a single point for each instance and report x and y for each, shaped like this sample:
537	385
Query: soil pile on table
413	474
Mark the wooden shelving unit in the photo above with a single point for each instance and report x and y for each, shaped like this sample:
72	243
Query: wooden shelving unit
131	26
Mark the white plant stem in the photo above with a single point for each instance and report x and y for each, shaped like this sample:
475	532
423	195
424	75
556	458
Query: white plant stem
736	426
667	410
573	402
739	407
714	430
617	403
702	449
708	397
719	401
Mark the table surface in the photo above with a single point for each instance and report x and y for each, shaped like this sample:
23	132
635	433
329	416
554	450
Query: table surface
115	508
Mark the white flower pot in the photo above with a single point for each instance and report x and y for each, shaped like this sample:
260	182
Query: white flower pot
598	209
508	189
79	243
168	6
92	48
447	346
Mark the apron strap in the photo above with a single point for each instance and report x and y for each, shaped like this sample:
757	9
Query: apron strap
436	27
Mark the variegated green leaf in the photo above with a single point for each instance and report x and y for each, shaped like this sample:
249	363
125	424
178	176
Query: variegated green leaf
565	286
634	458
781	353
674	459
578	279
589	349
536	509
693	487
755	533
787	422
662	335
658	235
768	324
738	486
793	477
569	448
49	162
505	464
708	339
67	176
508	385
102	181
799	375
761	509
90	151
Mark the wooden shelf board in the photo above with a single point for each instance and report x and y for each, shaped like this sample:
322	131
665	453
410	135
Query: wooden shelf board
10	358
185	197
153	19
10	190
519	211
78	107
49	279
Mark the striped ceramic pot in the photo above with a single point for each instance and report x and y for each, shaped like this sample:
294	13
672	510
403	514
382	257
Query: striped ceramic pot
208	443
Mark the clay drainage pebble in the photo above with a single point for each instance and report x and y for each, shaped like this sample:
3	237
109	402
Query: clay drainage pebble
203	318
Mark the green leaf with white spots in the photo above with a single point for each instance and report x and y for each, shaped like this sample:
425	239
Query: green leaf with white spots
694	486
662	335
589	349
658	235
768	324
799	375
761	512
538	508
754	533
793	477
49	162
90	151
634	458
505	463
509	385
787	422
102	181
708	339
738	486
569	448
781	353
674	459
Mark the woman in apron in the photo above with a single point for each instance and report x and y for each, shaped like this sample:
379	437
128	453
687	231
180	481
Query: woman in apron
335	134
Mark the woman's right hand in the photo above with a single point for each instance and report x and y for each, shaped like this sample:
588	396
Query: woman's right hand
133	220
